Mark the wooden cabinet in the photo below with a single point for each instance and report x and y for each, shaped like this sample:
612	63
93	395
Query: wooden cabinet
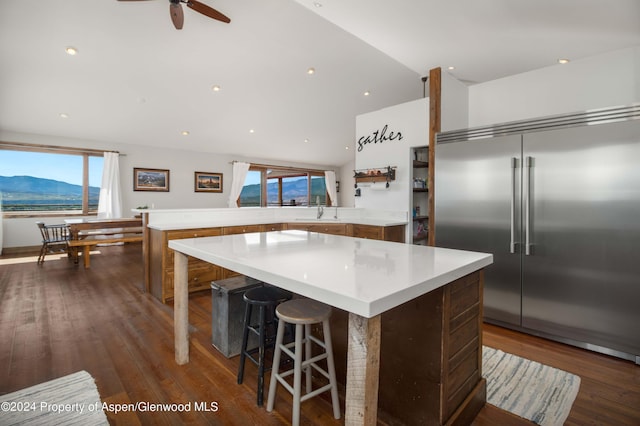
325	228
438	360
386	233
273	227
242	229
161	257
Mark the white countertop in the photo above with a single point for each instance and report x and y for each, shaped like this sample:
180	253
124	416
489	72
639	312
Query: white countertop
365	277
173	219
240	222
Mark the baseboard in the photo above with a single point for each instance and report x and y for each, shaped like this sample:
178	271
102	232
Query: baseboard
21	250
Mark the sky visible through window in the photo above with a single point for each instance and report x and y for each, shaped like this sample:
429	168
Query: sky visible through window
64	168
45	181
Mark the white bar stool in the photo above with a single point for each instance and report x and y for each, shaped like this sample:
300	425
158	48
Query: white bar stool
303	312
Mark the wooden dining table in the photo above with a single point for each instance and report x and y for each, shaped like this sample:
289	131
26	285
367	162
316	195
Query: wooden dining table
85	233
374	282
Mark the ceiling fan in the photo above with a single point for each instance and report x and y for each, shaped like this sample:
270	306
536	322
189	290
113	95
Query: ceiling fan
177	15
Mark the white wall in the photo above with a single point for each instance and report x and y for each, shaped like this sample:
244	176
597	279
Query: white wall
346	196
22	232
607	80
411	119
454	103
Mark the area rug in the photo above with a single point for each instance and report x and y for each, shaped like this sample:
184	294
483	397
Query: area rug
527	388
68	400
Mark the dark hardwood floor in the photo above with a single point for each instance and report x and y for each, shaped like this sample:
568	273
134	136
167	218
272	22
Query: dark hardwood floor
59	318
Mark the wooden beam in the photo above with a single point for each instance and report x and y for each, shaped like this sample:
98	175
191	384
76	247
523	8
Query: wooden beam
363	366
435	92
181	308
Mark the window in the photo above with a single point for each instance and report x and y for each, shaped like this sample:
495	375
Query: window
49	180
269	186
251	195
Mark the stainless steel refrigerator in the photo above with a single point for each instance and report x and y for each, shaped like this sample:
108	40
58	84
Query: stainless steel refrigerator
557	202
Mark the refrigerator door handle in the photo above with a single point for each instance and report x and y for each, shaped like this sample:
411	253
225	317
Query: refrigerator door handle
512	243
527	207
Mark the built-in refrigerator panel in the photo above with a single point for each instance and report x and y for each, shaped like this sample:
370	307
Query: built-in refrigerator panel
557	201
581	278
477	208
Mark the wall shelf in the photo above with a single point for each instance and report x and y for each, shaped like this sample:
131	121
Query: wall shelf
380	174
420	194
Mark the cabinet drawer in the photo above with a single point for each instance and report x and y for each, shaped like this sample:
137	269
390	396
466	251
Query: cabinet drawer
193	233
199	277
230	230
273	227
325	228
367	231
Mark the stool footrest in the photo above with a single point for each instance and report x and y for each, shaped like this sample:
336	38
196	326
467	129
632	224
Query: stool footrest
315	392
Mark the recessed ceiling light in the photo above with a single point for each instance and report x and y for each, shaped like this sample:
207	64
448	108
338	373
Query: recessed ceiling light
185	133
215	88
251	131
71	50
367	93
306	141
311	71
346	147
317	4
64	115
563	61
451	68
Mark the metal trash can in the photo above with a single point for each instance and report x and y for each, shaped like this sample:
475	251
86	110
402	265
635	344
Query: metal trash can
227	313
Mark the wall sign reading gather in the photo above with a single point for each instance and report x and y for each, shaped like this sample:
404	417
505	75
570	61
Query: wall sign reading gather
378	136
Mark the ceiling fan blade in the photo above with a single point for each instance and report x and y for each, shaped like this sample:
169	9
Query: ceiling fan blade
207	11
177	15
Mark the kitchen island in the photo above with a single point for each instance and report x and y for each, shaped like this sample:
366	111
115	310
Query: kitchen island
431	297
161	226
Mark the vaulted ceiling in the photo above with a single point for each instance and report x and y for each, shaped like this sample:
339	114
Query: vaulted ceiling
136	79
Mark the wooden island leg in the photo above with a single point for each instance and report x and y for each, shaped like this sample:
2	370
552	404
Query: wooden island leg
181	309
363	366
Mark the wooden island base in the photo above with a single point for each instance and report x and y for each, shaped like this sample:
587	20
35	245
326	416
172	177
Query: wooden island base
430	356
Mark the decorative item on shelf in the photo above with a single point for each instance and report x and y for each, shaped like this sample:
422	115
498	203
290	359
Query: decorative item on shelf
380	174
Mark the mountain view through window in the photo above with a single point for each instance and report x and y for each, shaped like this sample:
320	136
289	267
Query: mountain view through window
42	181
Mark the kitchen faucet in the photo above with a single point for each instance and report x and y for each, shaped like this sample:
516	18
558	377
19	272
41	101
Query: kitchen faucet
320	208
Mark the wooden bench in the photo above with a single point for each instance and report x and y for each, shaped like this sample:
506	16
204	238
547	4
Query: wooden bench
90	233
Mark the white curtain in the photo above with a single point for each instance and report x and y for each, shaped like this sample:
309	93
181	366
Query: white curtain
110	203
330	183
239	175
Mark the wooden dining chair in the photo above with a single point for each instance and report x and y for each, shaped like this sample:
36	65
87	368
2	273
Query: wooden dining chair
55	239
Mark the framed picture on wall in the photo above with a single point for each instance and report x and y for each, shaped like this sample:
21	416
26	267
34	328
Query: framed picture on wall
150	180
208	182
